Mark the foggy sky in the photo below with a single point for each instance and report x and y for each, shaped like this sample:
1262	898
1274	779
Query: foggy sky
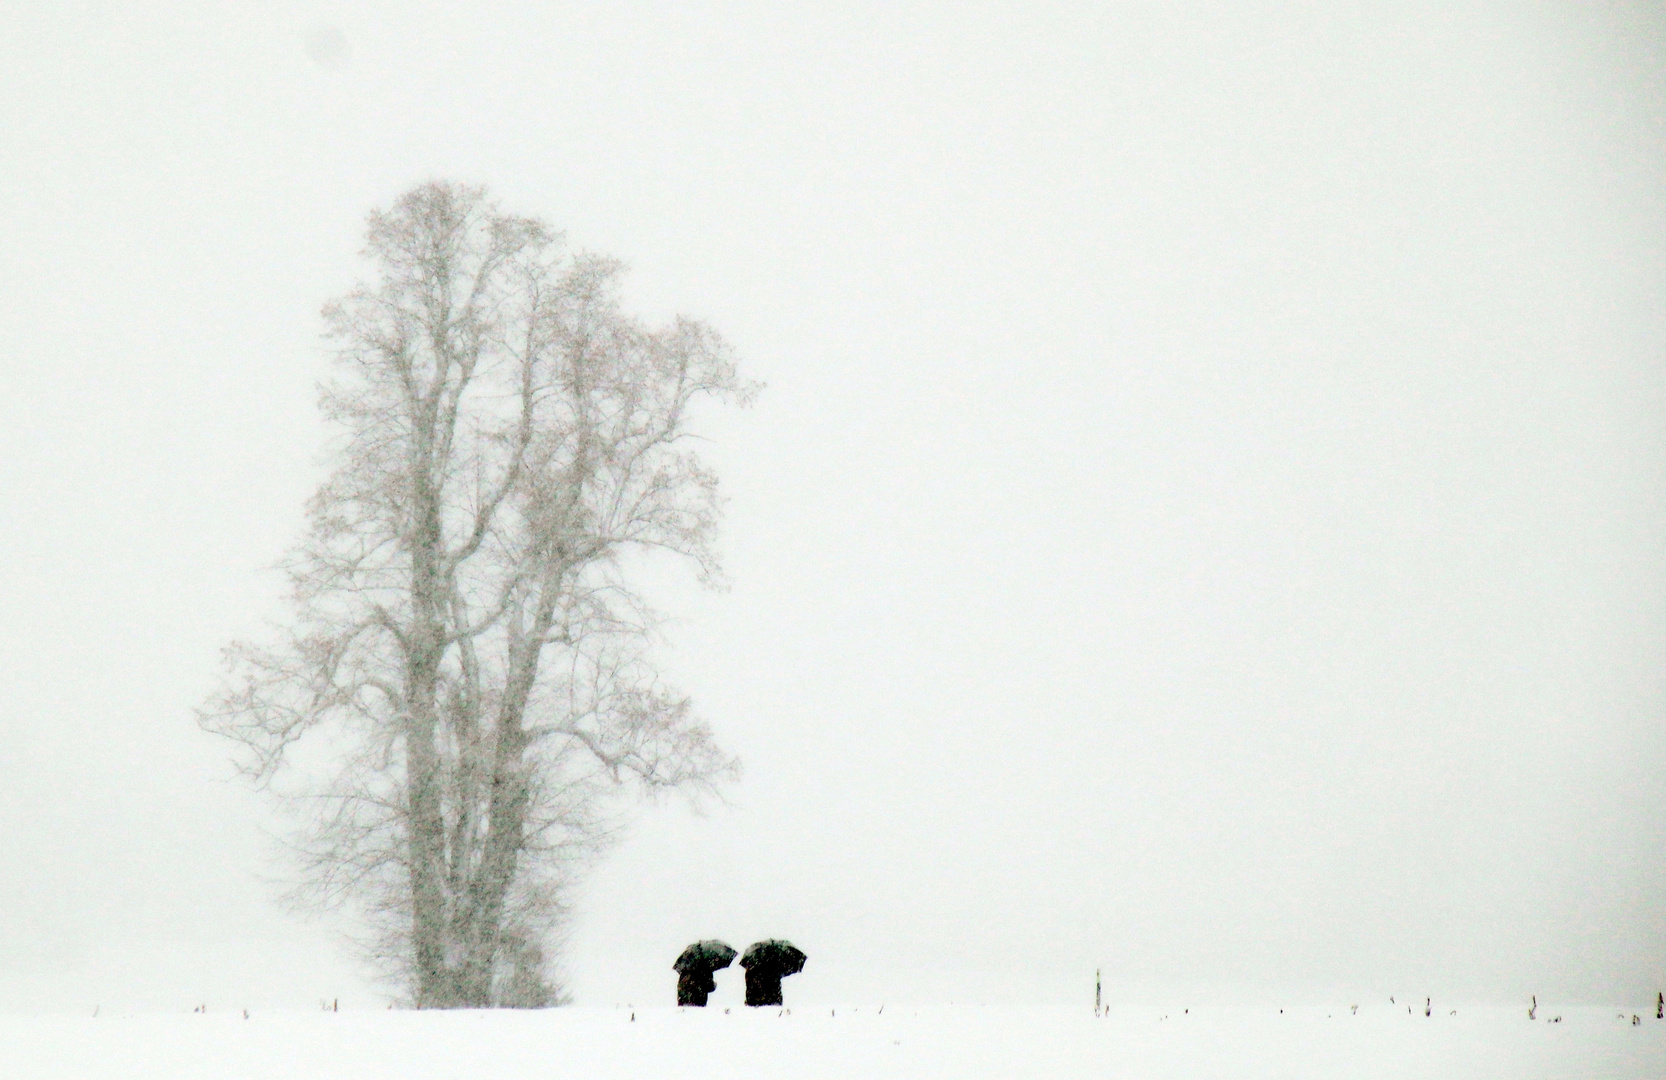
1207	520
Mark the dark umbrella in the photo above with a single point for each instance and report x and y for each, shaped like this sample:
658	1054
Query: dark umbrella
694	970
766	963
705	955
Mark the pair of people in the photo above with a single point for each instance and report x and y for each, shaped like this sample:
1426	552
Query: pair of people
766	962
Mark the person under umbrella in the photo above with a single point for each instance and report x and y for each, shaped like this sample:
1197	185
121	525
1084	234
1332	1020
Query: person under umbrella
694	970
766	964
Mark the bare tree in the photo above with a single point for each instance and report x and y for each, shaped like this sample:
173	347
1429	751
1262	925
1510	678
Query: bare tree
466	678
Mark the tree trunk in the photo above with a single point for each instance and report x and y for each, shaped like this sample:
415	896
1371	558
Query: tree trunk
436	981
427	840
509	798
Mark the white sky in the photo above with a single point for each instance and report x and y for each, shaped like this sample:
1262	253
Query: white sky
1207	520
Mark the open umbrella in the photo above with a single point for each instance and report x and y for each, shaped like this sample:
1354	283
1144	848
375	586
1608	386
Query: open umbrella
694	969
706	956
767	963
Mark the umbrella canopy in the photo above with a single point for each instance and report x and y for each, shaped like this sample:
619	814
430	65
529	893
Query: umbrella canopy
705	956
779	957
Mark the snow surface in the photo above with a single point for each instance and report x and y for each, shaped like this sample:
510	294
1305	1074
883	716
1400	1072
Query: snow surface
855	1042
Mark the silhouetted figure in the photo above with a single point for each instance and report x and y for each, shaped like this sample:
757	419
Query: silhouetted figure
766	964
694	970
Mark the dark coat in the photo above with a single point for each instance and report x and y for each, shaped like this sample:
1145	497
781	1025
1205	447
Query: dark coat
693	986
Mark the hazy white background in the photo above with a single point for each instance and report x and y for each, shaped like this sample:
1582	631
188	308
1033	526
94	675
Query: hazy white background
1207	521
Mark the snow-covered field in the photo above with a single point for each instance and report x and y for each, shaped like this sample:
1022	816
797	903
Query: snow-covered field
846	1042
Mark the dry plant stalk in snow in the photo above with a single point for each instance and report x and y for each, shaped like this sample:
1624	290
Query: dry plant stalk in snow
466	680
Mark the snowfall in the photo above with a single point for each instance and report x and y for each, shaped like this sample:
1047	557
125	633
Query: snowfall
865	1041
